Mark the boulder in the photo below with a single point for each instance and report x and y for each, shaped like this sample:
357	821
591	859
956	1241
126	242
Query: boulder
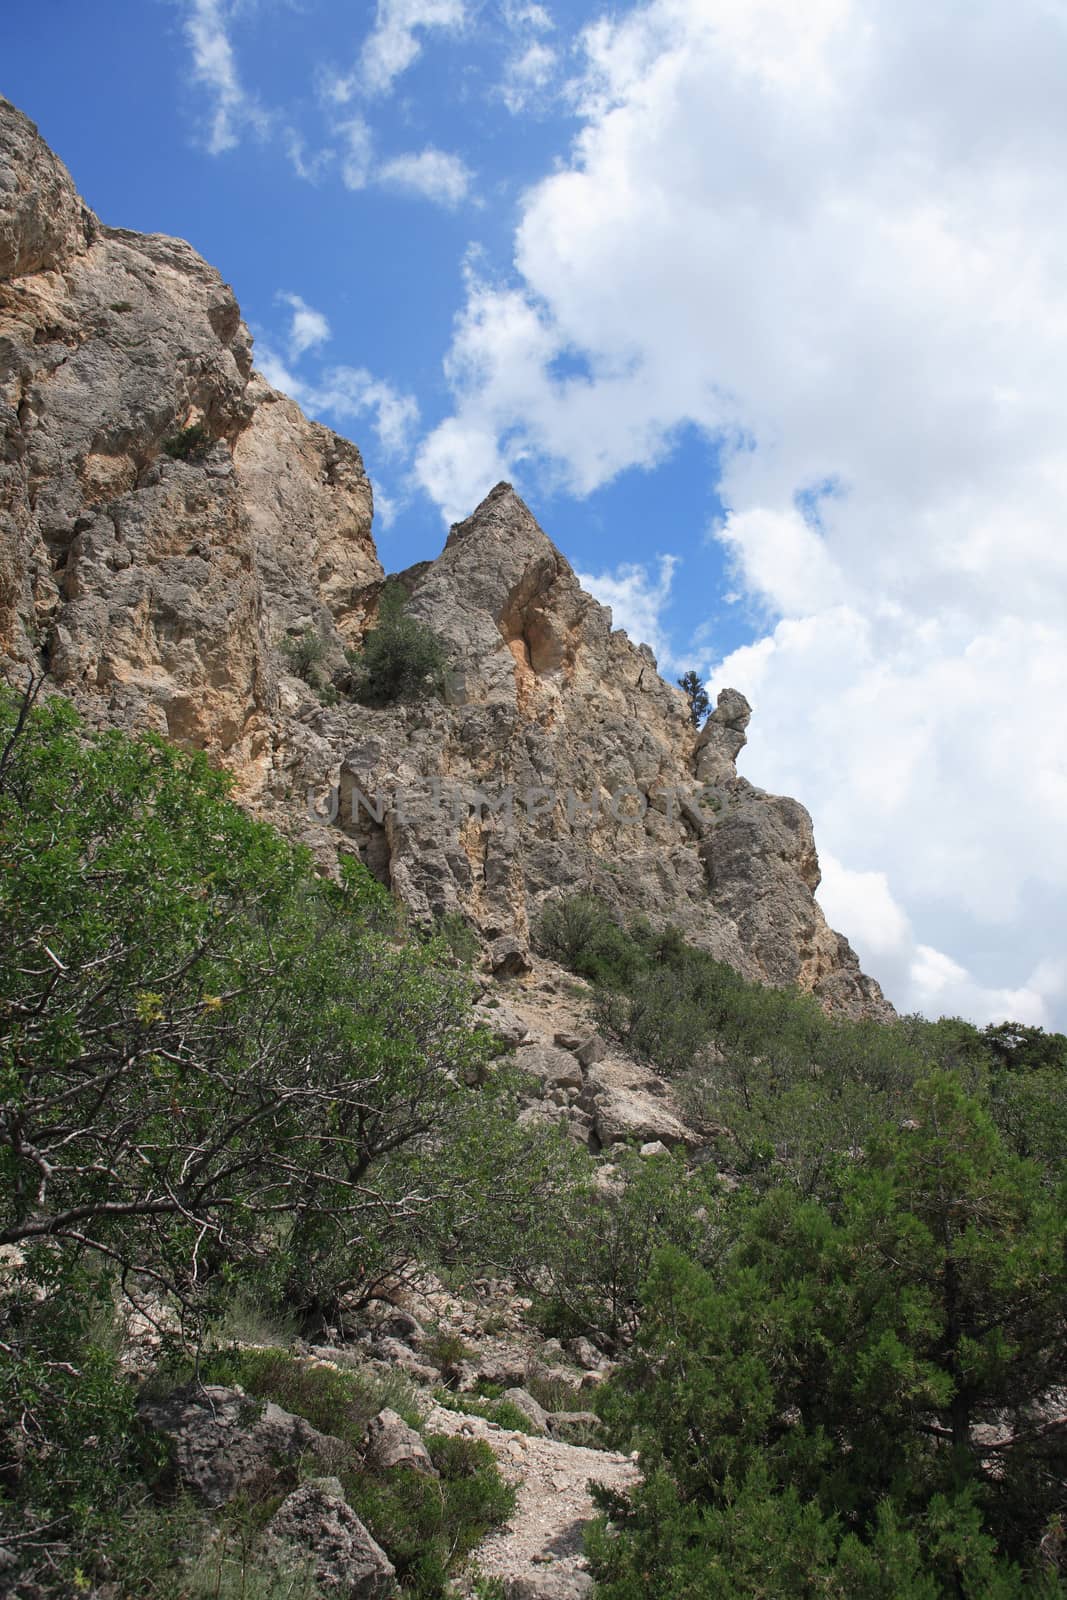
557	1069
317	1526
585	1354
624	1116
535	1414
222	1441
550	1583
504	1023
390	1443
509	957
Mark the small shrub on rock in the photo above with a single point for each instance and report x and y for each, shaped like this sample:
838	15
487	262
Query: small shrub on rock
189	444
401	659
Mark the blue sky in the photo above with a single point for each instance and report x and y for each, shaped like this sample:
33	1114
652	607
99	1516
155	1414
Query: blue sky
384	264
759	305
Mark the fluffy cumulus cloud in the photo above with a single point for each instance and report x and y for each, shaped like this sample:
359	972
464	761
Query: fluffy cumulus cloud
308	328
832	237
531	64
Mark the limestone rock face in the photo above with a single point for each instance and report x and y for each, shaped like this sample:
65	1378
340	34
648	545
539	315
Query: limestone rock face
153	587
167	520
561	762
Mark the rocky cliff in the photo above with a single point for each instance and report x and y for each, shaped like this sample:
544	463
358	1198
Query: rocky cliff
167	520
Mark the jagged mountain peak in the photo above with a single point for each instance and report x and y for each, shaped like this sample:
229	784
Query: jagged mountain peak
168	521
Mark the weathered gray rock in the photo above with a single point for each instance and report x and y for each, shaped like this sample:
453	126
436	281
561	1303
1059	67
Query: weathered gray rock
554	1068
509	956
316	1526
535	1414
565	1039
156	588
622	1116
390	1443
222	1441
504	1022
550	1583
585	1353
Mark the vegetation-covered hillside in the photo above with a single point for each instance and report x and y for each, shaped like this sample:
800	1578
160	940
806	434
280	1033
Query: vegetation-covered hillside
235	1094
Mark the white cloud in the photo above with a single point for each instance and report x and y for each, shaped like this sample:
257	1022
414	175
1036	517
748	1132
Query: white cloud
392	46
357	160
343	393
434	174
638	599
526	16
309	167
833	238
348	392
920	977
527	74
215	70
308	328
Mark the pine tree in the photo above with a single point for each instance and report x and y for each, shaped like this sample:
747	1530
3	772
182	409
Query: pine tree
697	695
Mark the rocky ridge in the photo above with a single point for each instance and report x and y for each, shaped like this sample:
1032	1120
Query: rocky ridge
168	520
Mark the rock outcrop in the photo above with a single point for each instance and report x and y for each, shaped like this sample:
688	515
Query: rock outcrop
153	586
167	521
317	1529
222	1442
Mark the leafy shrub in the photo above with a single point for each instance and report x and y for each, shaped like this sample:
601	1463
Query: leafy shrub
590	1256
806	1410
266	1084
504	1413
401	659
190	444
445	1349
429	1526
337	1403
458	936
304	654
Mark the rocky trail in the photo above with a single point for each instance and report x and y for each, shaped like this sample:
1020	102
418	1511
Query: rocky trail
538	1555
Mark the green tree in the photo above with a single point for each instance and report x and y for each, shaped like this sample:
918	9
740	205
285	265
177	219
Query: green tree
401	660
867	1385
211	1059
697	695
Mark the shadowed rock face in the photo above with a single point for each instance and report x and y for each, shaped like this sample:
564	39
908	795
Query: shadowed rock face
157	588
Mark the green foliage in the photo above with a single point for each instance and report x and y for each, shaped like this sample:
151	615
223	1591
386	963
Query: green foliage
225	1081
783	1090
697	695
189	444
401	659
304	654
504	1413
445	1349
429	1526
74	1462
589	1258
337	1403
457	935
806	1411
266	1082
